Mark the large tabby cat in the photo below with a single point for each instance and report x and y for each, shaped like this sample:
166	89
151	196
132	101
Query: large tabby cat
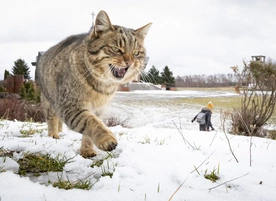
80	75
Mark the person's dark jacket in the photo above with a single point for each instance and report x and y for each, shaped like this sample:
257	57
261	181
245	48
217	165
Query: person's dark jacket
208	123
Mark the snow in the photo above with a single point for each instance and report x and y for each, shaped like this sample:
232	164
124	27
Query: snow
161	155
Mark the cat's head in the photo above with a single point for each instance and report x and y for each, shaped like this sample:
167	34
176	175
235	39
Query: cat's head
115	53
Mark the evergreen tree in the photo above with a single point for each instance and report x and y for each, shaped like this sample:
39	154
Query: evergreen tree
21	68
153	76
6	74
167	76
28	92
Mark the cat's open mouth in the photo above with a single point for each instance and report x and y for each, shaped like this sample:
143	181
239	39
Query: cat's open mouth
117	71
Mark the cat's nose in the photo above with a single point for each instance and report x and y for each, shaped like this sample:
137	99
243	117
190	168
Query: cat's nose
128	63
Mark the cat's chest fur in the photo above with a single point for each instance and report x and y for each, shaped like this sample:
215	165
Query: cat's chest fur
97	100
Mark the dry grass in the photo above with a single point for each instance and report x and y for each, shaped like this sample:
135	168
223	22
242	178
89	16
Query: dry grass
21	110
225	89
223	102
219	102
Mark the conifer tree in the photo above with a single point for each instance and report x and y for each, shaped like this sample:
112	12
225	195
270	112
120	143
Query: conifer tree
6	74
167	76
21	68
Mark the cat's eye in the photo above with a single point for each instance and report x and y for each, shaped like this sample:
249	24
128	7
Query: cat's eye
136	53
115	49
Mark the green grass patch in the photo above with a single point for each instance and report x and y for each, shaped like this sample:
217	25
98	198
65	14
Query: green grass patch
5	152
36	164
229	102
220	102
67	185
213	175
106	167
28	128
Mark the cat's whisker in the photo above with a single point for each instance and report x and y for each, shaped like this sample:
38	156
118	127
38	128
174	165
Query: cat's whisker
146	78
107	70
152	78
90	71
149	77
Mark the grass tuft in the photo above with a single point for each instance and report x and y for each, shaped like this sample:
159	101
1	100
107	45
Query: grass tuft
5	152
67	185
213	175
146	140
40	163
28	128
104	164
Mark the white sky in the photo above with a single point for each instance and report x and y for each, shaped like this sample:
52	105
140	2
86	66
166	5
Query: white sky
190	37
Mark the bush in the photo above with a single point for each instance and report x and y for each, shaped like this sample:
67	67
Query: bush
257	88
29	92
14	108
2	89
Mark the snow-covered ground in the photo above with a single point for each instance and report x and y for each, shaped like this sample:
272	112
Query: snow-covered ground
161	156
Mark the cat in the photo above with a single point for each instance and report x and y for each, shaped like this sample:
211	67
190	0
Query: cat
80	75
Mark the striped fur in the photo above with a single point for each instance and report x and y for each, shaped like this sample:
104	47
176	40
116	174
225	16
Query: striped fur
80	75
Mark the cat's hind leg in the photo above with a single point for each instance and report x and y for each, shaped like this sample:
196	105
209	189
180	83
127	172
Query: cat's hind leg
60	125
53	122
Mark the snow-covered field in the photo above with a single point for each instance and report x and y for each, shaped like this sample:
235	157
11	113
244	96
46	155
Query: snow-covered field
161	156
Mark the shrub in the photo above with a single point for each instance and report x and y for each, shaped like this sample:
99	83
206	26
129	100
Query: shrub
257	87
2	89
29	92
14	108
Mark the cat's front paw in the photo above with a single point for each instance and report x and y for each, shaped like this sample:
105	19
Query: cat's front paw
107	142
53	135
87	153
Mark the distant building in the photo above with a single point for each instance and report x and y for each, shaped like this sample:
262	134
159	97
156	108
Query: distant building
35	63
260	58
14	83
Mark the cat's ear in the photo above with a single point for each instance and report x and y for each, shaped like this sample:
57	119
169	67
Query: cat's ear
102	23
142	32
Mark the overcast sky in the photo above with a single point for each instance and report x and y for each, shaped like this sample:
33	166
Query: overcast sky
190	37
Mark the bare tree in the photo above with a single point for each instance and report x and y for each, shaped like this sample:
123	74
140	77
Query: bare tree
257	86
216	80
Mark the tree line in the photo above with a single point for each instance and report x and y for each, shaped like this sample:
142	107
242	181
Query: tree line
216	80
166	77
154	76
